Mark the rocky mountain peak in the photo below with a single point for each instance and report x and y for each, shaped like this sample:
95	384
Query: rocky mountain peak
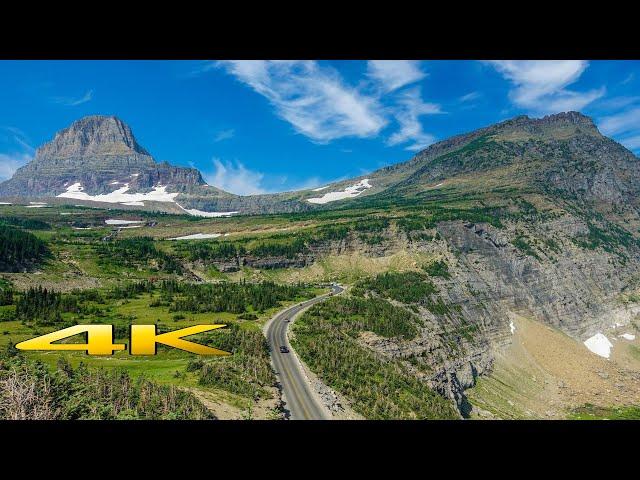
573	117
558	120
546	126
91	136
100	153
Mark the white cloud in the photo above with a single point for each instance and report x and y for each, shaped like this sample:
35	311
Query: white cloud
235	178
408	112
284	184
312	98
628	79
632	143
569	101
616	103
318	103
393	74
540	85
9	163
17	139
224	135
621	123
202	66
18	151
469	97
73	101
625	126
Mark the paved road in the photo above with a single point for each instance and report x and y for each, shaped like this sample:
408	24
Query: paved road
299	398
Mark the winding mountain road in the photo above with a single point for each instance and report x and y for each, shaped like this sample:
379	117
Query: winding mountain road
299	397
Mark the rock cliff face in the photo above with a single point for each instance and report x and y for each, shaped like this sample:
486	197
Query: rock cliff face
558	281
540	268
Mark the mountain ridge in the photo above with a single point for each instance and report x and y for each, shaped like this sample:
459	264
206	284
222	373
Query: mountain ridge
102	154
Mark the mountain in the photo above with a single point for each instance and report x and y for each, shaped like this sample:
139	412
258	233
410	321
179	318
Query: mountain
563	152
96	152
98	159
561	155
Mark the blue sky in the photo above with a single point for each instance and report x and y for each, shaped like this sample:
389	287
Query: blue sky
261	126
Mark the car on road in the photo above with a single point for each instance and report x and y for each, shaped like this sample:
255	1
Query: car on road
284	349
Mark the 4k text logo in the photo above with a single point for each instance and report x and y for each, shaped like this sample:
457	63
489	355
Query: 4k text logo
144	340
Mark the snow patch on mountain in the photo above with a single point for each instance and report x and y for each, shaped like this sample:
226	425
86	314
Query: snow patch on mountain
349	192
198	236
158	194
201	213
116	221
599	344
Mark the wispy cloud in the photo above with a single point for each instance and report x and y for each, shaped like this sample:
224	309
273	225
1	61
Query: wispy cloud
540	85
616	103
628	79
314	99
319	104
18	150
283	184
621	123
234	177
410	107
73	101
469	97
394	74
9	163
224	135
202	66
624	126
632	142
14	138
406	105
